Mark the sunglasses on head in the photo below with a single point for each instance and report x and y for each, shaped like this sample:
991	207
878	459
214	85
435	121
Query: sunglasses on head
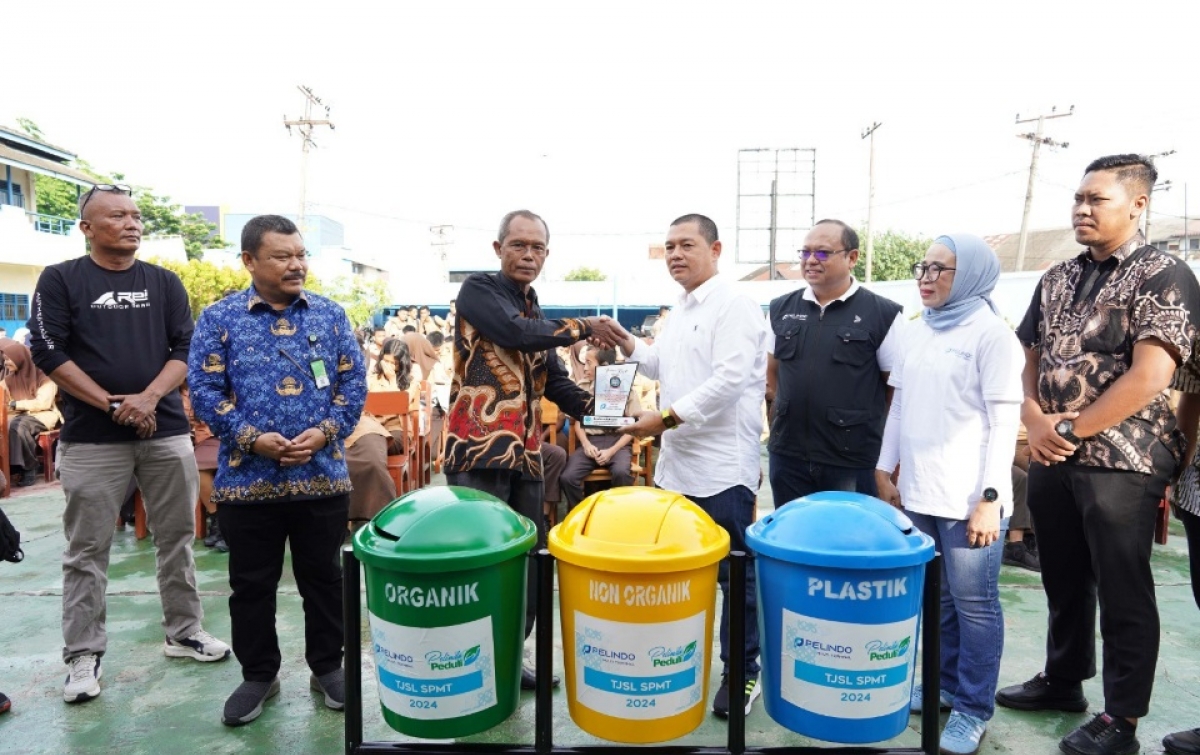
119	188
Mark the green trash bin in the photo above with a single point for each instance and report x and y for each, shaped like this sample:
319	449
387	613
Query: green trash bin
445	570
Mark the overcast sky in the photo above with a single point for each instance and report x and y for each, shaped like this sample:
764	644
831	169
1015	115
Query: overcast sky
610	119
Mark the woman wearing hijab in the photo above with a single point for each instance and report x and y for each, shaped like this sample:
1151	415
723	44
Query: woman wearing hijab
951	428
31	410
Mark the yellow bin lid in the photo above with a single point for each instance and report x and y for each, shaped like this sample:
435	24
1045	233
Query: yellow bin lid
638	530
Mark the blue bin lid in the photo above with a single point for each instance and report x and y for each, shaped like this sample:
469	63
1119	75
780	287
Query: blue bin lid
847	530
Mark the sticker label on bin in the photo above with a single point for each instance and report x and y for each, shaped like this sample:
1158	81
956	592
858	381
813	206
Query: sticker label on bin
846	670
639	671
434	673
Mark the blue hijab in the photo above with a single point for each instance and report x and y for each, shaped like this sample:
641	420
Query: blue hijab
976	272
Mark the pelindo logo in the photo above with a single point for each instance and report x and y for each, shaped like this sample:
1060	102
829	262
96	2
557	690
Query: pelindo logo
439	661
616	655
662	656
381	651
878	650
821	647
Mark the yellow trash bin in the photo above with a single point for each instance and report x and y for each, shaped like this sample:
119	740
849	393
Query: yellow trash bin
637	577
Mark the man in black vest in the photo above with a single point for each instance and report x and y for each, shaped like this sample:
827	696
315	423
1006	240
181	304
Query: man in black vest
831	347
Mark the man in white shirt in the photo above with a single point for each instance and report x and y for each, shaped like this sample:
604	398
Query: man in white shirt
711	362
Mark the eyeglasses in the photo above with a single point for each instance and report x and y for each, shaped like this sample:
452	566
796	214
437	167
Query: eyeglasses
821	254
934	270
119	188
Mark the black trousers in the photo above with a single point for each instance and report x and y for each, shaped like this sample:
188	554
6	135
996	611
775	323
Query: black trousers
1191	525
1095	530
524	497
256	534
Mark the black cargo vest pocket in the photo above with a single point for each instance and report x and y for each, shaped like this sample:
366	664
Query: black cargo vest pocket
850	427
853	346
787	343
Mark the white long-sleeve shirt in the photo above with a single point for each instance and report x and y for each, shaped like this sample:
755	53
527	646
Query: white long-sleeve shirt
711	362
954	417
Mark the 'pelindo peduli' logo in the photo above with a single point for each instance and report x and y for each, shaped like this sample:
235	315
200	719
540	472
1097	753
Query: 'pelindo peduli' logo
878	650
439	661
662	656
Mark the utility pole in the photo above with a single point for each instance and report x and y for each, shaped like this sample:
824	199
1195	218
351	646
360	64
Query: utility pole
774	209
1187	250
1038	140
305	126
870	132
442	241
1164	186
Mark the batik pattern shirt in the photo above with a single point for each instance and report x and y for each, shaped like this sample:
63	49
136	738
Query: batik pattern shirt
1186	493
251	371
1086	342
501	371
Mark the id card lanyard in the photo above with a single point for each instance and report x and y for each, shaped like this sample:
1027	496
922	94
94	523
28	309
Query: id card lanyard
319	375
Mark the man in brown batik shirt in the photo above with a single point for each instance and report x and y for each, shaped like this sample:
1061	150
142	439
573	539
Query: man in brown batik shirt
1103	336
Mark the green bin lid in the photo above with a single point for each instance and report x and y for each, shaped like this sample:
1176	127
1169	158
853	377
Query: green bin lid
444	528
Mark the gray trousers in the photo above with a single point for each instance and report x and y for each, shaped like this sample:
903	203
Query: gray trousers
94	477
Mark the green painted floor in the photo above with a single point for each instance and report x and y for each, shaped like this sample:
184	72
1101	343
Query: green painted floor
160	706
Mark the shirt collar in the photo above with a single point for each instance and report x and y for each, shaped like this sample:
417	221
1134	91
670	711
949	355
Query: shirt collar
253	301
854	286
1135	242
529	295
701	292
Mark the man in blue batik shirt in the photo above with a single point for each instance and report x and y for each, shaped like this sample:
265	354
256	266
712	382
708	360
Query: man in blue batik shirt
277	375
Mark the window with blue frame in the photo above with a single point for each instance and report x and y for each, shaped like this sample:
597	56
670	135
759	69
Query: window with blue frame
14	306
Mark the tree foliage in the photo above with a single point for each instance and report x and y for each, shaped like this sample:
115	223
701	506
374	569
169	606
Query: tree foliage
361	298
205	282
585	274
895	253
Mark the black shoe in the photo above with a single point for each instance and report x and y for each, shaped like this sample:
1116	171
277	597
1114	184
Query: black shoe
529	679
212	530
1183	742
1039	693
5	703
721	701
1103	735
28	479
1018	554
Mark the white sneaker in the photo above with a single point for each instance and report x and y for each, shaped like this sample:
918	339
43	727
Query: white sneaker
200	646
83	679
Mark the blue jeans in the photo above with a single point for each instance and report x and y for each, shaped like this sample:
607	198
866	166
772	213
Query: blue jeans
972	620
793	477
733	509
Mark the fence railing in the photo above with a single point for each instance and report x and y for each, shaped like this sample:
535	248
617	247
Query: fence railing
51	223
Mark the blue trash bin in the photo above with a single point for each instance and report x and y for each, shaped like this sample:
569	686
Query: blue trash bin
840	577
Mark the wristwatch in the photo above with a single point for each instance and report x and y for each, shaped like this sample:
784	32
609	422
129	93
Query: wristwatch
669	420
990	495
1066	428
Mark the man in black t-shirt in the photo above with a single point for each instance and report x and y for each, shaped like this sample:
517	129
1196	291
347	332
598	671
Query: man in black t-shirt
113	332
